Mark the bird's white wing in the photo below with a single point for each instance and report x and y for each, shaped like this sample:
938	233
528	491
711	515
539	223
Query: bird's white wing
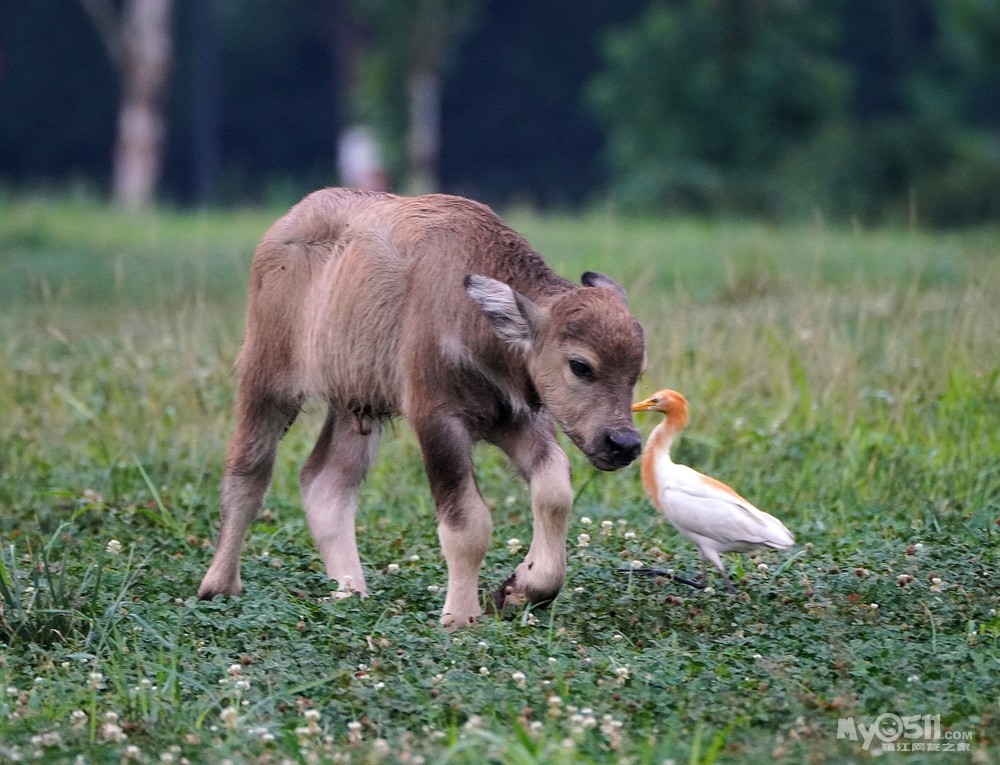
700	505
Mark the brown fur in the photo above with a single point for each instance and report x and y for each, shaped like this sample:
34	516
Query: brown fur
431	308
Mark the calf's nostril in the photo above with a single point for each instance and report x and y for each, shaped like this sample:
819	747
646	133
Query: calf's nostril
627	443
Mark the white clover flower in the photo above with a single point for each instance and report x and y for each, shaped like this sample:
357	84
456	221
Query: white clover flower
311	728
484	671
585	521
114	547
629	535
354	732
78	717
622	674
762	567
611	728
433	589
583	540
414	558
513	545
519	678
229	717
111	730
637	564
95	680
392	568
474	723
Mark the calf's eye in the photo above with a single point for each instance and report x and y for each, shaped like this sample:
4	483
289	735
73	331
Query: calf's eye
581	369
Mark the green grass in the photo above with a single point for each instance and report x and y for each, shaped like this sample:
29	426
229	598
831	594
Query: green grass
846	380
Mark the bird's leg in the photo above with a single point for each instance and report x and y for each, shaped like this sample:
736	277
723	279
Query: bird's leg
720	568
664	572
729	584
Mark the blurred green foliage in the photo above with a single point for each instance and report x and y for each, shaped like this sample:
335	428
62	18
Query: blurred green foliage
851	109
777	108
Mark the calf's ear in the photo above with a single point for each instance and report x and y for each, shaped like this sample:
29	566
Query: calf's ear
594	279
514	318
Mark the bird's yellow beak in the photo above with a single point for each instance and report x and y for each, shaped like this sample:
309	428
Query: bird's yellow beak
645	405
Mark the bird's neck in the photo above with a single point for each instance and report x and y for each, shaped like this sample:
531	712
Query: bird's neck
657	451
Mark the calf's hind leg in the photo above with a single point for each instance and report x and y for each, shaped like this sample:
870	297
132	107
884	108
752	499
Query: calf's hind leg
261	422
329	481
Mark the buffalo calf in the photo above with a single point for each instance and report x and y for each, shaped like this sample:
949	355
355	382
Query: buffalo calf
431	308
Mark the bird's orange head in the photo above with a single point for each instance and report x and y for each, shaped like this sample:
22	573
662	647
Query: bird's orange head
669	402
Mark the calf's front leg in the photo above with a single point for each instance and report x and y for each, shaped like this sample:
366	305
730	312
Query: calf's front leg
464	523
541	574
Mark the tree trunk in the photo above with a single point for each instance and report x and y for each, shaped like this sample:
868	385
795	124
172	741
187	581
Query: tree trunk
144	68
436	26
424	139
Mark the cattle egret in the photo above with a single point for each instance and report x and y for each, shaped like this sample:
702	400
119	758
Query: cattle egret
705	510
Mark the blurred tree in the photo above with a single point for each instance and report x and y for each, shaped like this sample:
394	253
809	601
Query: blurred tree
360	161
278	105
849	107
206	99
402	79
700	99
54	129
515	126
138	39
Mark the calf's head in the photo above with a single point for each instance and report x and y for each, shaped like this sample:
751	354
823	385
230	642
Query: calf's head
584	353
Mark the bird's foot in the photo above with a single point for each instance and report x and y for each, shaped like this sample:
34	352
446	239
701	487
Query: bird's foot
668	573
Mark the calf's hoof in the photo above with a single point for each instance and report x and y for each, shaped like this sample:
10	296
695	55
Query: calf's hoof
512	593
213	585
452	622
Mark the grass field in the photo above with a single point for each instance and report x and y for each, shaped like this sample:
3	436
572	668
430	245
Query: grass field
846	380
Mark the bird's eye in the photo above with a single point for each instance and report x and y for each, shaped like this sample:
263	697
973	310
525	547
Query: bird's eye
581	369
